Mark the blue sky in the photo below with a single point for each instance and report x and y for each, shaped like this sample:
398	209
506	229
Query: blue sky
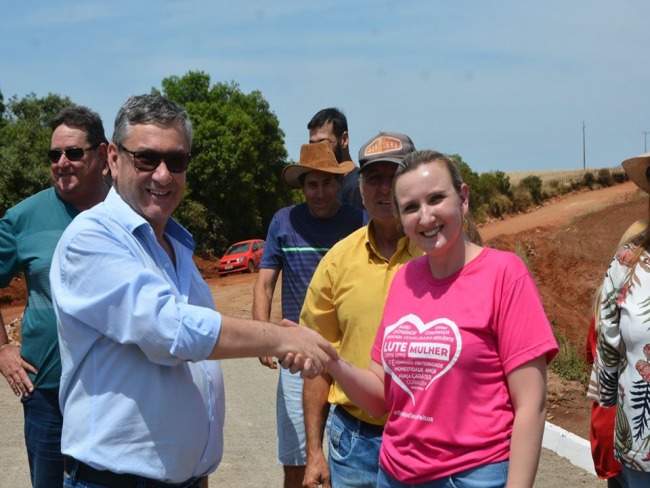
506	84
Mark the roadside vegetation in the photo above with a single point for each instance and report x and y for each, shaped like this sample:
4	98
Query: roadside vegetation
233	183
570	364
494	196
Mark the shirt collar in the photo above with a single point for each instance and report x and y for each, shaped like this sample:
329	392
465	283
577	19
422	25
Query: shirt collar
403	245
131	220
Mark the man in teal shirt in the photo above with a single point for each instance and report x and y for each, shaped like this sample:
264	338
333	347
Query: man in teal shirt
29	233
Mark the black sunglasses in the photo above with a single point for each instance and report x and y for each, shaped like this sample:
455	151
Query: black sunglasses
148	161
72	153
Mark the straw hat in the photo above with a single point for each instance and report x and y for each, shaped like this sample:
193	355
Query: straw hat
317	156
637	169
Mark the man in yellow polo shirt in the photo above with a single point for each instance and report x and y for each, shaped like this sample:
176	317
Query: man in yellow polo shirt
344	304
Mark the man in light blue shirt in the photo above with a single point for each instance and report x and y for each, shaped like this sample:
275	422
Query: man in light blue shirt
136	322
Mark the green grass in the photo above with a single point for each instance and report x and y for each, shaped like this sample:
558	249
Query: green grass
569	364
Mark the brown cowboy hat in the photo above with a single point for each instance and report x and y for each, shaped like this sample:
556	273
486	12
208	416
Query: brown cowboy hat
317	156
637	169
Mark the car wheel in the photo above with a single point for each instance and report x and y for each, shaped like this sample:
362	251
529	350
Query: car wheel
251	266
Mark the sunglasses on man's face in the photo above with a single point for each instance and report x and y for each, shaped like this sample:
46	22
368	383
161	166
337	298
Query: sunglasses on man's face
71	153
148	161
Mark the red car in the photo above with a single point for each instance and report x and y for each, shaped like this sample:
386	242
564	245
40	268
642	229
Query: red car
242	256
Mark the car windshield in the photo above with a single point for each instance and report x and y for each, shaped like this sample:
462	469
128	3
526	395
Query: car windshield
237	248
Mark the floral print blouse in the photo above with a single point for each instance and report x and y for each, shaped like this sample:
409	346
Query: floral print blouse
621	373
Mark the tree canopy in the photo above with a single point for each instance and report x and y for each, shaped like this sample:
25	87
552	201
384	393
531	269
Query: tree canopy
24	141
233	182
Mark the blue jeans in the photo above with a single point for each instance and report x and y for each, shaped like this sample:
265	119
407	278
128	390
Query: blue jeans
353	451
72	482
43	424
616	482
633	478
492	475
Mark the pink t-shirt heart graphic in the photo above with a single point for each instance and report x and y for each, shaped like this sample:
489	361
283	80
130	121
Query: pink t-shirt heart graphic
416	354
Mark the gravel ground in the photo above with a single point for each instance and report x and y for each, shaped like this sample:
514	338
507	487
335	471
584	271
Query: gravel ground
249	455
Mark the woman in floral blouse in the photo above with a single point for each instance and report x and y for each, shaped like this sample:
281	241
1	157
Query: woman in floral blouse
621	374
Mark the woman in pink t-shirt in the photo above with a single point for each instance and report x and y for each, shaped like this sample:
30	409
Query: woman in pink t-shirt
459	361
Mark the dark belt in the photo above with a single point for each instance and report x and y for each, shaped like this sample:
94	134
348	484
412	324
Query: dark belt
372	428
109	479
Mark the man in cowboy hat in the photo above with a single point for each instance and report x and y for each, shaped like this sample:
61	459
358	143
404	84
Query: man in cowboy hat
330	124
298	237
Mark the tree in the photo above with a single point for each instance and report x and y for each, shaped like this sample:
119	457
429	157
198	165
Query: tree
2	111
233	182
471	178
24	141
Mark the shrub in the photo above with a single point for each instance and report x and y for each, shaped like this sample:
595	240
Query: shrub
499	205
549	192
481	213
589	180
568	363
577	185
554	183
521	199
534	185
604	177
521	251
565	187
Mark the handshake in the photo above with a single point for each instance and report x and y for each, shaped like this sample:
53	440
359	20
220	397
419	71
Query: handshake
301	350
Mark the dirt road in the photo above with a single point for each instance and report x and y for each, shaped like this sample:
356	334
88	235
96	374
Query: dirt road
560	211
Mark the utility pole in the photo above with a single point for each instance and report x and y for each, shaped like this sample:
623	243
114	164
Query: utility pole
584	157
645	139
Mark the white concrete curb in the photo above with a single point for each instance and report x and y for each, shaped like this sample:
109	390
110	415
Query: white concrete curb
570	446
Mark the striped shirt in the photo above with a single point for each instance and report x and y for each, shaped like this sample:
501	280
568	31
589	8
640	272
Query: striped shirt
297	241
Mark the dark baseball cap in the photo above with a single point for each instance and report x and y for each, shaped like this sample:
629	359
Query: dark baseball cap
391	147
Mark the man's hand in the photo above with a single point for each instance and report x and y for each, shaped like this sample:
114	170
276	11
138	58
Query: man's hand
14	368
269	362
305	350
263	290
317	472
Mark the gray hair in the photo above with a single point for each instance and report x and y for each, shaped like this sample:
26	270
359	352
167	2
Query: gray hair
149	109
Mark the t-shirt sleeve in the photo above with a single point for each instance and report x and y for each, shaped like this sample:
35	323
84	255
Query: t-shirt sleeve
8	251
318	310
272	255
521	326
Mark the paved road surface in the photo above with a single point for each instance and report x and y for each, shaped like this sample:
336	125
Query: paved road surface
249	458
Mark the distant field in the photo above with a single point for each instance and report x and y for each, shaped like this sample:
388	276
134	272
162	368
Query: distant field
564	175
